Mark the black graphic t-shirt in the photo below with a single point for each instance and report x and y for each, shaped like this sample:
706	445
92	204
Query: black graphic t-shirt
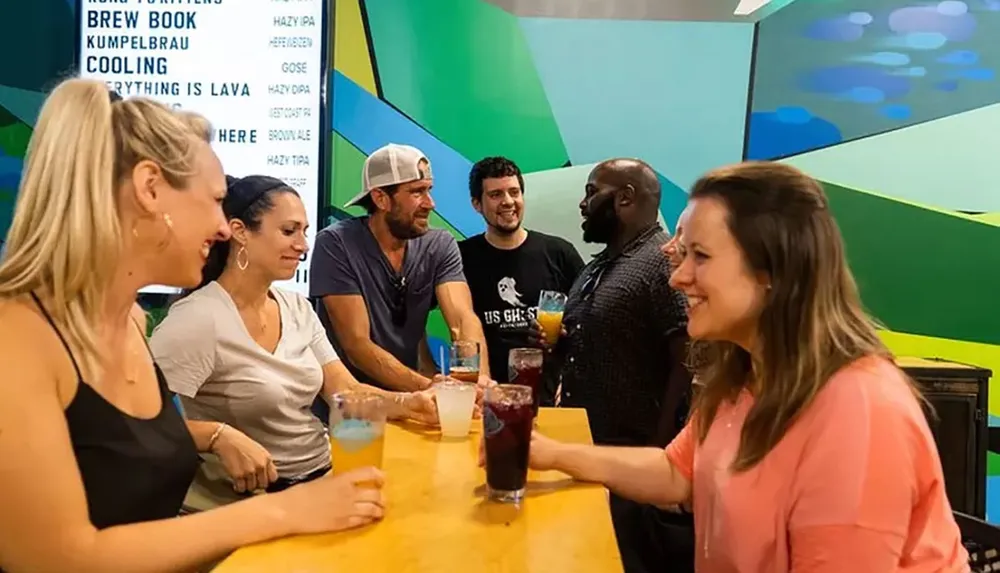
505	285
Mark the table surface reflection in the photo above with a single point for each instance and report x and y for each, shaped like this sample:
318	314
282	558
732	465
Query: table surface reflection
438	519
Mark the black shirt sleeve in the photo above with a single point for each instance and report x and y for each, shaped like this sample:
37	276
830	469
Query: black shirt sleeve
570	264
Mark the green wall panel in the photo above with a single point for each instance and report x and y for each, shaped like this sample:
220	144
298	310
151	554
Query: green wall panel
921	271
348	161
437	327
463	71
14	135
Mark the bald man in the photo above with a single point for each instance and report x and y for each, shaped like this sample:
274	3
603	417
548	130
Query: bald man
623	354
622	319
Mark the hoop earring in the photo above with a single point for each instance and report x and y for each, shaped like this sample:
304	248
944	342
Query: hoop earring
246	258
167	221
169	224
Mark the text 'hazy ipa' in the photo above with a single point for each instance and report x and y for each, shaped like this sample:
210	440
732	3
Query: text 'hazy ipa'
507	424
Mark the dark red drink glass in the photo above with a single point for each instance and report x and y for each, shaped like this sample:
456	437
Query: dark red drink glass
507	423
524	366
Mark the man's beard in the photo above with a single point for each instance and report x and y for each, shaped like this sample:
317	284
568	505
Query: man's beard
401	228
506	231
601	225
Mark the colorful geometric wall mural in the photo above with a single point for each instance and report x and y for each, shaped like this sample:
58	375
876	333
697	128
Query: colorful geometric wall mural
886	101
892	104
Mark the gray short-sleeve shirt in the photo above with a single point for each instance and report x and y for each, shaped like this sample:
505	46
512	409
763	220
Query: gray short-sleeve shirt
209	358
347	260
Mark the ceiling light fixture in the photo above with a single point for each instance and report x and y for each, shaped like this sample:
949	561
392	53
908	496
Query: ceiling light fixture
747	7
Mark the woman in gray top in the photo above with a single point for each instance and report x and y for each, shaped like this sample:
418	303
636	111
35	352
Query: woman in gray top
248	359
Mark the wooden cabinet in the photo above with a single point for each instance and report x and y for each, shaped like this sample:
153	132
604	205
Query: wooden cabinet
959	396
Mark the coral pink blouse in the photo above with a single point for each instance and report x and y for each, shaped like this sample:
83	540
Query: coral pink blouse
855	486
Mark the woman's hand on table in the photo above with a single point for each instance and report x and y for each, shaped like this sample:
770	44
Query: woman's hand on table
542	452
334	503
246	462
541	458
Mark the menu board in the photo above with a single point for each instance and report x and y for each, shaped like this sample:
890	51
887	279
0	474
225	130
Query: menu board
254	68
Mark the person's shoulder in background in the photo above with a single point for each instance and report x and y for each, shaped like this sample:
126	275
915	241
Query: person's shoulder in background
472	244
344	229
553	242
438	243
563	252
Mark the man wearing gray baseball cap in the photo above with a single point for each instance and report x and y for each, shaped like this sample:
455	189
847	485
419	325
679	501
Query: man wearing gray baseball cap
379	275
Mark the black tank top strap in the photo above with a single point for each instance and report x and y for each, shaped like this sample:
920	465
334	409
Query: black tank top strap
142	333
62	338
133	469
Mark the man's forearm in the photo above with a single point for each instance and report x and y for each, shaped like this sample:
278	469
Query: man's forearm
385	369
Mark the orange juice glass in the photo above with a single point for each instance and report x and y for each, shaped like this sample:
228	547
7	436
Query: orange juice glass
550	314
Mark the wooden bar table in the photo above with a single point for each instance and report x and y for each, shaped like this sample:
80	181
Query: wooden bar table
438	520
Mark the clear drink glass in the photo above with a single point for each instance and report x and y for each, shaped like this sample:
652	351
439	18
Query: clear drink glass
507	424
357	430
524	366
455	401
464	363
550	314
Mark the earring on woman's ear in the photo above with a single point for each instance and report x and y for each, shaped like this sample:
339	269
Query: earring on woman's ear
245	262
168	225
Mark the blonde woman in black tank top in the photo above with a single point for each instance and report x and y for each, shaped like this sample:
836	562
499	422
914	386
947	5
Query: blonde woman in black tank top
117	195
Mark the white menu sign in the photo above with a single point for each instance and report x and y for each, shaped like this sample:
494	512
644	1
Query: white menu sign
254	68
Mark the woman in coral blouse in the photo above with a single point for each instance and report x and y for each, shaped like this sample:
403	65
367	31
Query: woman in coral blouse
807	450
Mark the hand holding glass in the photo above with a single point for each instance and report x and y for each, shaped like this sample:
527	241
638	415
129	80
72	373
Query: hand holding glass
455	402
550	314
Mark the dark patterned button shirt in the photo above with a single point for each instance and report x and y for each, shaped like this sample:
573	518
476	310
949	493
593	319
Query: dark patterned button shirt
615	359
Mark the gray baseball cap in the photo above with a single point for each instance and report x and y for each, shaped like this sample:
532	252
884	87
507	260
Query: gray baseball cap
391	165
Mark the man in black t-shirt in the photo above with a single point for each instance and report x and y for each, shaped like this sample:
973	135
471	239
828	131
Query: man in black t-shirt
507	266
